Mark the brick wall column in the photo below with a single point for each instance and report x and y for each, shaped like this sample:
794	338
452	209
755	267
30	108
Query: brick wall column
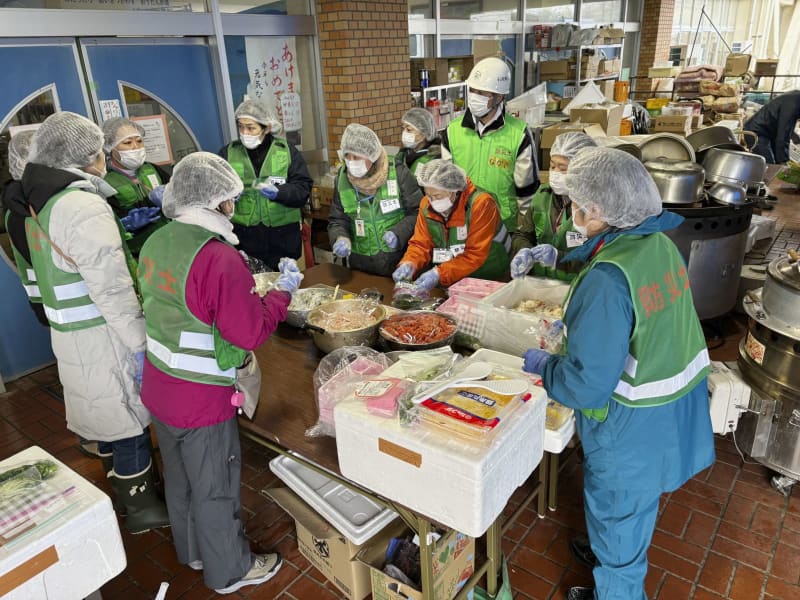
654	37
365	66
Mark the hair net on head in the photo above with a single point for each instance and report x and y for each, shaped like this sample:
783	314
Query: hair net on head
361	140
442	175
18	149
421	120
616	183
568	144
200	180
65	140
260	113
118	130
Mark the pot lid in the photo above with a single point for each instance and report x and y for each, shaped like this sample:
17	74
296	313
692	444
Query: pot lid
786	272
674	165
666	145
755	310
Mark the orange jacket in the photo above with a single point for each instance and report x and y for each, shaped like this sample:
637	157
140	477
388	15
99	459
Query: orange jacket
482	228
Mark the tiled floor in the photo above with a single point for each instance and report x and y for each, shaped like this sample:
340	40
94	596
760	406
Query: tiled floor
725	534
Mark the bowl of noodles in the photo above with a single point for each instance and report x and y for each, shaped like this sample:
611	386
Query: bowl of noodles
345	323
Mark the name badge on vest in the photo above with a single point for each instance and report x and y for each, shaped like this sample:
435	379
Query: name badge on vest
153	179
441	255
457	249
461	233
391	187
390	204
276	180
575	239
360	230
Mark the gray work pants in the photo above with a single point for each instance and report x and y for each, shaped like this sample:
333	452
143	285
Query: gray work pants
202	479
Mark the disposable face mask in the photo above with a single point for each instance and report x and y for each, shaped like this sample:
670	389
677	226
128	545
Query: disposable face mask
580	229
441	205
250	141
132	159
409	139
357	168
558	182
478	105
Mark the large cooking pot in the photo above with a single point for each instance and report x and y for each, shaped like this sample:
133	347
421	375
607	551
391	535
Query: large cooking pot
359	324
781	294
678	181
734	166
307	299
665	145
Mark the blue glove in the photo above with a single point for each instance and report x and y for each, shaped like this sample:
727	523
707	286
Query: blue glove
522	263
139	356
289	281
286	265
342	247
428	280
391	240
535	360
545	254
403	272
156	195
270	190
139	217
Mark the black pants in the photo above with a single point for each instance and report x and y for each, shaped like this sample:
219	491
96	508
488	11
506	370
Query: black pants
270	244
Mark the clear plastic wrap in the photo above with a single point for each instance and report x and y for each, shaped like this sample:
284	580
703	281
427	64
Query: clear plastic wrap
418	328
337	376
408	296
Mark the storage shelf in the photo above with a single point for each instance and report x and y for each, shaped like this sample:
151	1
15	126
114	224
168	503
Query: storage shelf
604	77
581	47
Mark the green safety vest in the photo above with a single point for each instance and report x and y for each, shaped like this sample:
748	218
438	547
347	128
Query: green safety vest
178	343
132	195
253	208
453	240
401	158
25	271
378	215
661	366
541	211
490	161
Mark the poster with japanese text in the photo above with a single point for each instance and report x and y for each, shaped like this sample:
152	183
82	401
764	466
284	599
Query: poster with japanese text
274	78
156	139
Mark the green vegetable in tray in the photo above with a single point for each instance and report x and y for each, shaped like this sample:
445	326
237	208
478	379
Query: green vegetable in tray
46	468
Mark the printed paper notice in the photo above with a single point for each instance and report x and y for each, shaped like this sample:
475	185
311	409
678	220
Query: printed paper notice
292	112
156	139
110	109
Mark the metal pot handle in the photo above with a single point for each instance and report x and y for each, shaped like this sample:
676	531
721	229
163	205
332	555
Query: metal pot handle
753	135
311	327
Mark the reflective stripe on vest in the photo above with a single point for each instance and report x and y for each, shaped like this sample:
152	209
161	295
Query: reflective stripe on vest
70	291
26	274
31	274
188	362
662	387
77	314
33	292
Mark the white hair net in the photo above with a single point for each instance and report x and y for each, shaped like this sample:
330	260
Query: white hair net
361	140
568	144
421	120
442	175
18	149
66	140
200	180
118	130
615	182
260	113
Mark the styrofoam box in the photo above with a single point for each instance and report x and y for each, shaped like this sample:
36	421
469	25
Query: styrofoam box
354	516
86	539
726	391
462	485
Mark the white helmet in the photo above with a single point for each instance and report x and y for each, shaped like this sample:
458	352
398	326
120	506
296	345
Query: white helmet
491	74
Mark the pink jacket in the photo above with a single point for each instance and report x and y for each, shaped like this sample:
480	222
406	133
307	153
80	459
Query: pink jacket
218	290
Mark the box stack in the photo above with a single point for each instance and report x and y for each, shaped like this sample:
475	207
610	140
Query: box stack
722	98
607	115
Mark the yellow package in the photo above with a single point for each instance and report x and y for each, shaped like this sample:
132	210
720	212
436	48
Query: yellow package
473	406
556	415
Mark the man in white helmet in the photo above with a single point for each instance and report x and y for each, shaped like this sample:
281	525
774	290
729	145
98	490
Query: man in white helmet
495	149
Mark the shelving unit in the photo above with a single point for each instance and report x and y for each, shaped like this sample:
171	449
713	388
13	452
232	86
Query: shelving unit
578	79
450	96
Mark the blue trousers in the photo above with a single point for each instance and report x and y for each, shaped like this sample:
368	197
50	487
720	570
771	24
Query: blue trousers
620	524
131	455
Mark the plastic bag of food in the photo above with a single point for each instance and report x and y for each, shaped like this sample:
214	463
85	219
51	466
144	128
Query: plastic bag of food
726	105
337	377
382	394
548	332
408	296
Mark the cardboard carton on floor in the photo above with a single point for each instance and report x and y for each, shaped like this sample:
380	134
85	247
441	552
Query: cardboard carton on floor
549	134
556	69
680	124
608	116
453	565
328	550
766	67
736	64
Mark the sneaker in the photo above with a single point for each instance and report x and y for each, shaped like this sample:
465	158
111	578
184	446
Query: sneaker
264	568
582	551
580	593
197	565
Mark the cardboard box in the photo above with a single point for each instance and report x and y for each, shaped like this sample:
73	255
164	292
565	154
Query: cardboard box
681	124
326	549
736	64
766	67
607	116
556	69
437	71
549	134
483	48
609	66
607	87
453	565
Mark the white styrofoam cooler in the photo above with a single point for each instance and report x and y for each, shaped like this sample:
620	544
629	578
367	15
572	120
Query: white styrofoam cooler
461	485
726	391
353	515
86	540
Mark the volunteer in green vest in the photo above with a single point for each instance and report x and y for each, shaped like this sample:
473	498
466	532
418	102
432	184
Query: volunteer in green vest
634	367
374	206
458	233
494	148
138	184
419	139
277	185
97	329
549	221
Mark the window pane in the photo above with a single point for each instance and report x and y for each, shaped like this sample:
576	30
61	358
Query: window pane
549	11
36	110
421	46
462	46
266	7
601	11
137	5
475	10
421	8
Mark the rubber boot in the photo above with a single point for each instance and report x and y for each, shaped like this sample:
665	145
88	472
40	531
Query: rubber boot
145	510
108	467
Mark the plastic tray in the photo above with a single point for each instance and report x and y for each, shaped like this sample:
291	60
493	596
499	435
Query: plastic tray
354	516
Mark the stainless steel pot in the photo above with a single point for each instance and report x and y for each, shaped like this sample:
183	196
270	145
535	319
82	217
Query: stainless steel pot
733	166
728	193
665	145
781	294
718	136
328	339
678	181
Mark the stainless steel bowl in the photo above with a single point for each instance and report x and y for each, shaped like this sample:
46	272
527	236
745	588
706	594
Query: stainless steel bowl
733	166
728	193
666	145
678	181
396	344
329	338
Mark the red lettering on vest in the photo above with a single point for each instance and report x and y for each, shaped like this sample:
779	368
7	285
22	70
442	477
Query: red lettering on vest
168	282
672	287
651	298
